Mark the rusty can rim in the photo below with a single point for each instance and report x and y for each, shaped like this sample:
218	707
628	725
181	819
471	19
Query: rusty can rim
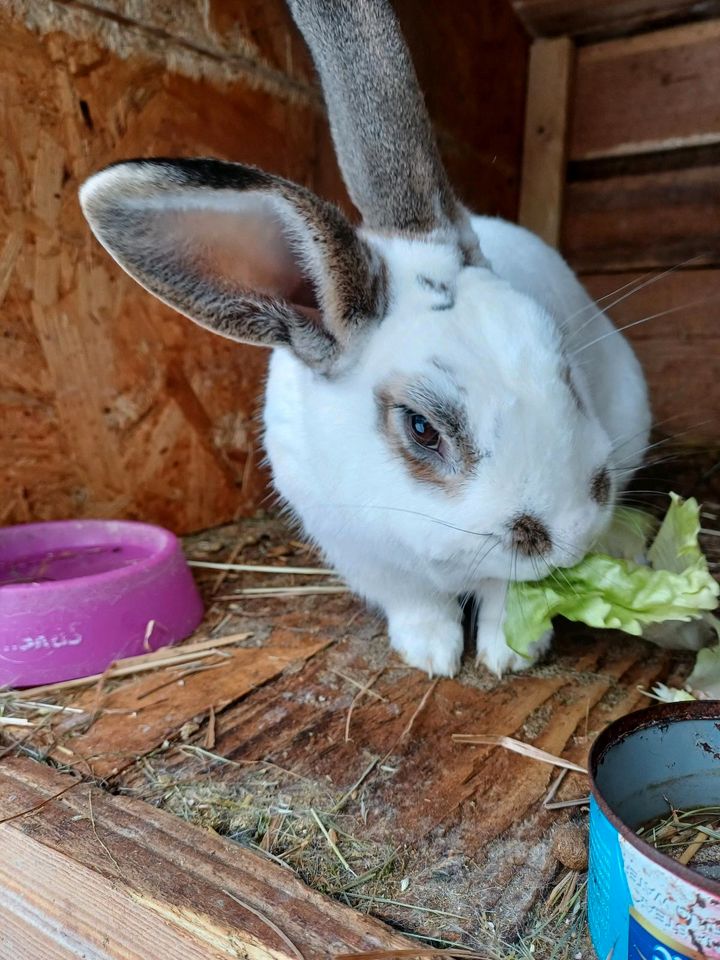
620	729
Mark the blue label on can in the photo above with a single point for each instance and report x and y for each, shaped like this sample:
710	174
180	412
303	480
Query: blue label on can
646	942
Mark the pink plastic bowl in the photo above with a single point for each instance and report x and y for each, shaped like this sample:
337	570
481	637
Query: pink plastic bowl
76	595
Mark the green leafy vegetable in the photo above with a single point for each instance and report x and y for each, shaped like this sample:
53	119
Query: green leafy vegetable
621	593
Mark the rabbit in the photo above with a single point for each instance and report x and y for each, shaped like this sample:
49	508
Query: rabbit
446	409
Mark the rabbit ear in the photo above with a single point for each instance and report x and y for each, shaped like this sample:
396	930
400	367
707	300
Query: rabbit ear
380	125
251	256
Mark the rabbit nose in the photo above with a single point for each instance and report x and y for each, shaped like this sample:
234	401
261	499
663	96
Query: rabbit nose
530	536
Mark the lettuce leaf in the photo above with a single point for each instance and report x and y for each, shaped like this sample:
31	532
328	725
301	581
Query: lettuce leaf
620	593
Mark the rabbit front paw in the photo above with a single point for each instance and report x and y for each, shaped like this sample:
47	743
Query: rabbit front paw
493	651
428	642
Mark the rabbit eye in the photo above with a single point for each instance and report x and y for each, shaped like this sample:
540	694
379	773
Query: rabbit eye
422	431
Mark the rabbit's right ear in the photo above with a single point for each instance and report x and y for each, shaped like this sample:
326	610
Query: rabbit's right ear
383	136
249	255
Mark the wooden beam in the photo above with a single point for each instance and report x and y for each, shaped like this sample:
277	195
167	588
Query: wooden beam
103	877
546	121
648	93
643	220
592	19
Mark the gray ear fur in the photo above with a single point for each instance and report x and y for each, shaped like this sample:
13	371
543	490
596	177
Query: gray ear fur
381	129
251	256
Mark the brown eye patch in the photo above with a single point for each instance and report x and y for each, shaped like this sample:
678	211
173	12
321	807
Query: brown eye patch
429	430
600	486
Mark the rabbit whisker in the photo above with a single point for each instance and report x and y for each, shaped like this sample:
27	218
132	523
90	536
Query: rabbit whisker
635	323
643	281
415	513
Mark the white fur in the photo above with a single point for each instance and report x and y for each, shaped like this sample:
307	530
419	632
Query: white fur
396	540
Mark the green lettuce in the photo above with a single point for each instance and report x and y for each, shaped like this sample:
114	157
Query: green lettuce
626	592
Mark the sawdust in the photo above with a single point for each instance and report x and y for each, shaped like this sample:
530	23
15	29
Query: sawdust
536	721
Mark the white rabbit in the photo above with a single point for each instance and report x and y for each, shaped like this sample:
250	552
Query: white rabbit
446	410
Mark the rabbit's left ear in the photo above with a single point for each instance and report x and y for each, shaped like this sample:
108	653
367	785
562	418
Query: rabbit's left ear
249	255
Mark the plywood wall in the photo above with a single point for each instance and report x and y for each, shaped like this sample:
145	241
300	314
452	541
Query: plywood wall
112	405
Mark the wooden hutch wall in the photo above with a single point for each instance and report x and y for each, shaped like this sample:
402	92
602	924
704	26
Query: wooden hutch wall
622	171
111	404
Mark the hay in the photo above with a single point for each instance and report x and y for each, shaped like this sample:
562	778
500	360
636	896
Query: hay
517	746
292	820
692	837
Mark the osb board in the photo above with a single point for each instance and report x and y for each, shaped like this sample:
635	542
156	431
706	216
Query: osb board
657	91
113	405
679	346
644	219
589	19
87	874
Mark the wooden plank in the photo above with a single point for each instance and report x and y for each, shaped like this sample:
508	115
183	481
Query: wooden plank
546	120
104	877
653	92
468	822
680	352
477	100
590	19
141	713
643	221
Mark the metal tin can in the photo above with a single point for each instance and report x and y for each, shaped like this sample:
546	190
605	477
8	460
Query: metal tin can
642	904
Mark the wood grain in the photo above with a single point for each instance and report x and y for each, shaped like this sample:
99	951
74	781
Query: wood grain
477	97
590	19
680	352
139	715
657	91
546	119
643	221
428	824
113	405
99	876
468	822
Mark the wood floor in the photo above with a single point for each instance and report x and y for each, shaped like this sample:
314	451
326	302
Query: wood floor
307	756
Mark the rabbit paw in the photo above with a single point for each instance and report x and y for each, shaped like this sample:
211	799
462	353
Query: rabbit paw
431	644
497	656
